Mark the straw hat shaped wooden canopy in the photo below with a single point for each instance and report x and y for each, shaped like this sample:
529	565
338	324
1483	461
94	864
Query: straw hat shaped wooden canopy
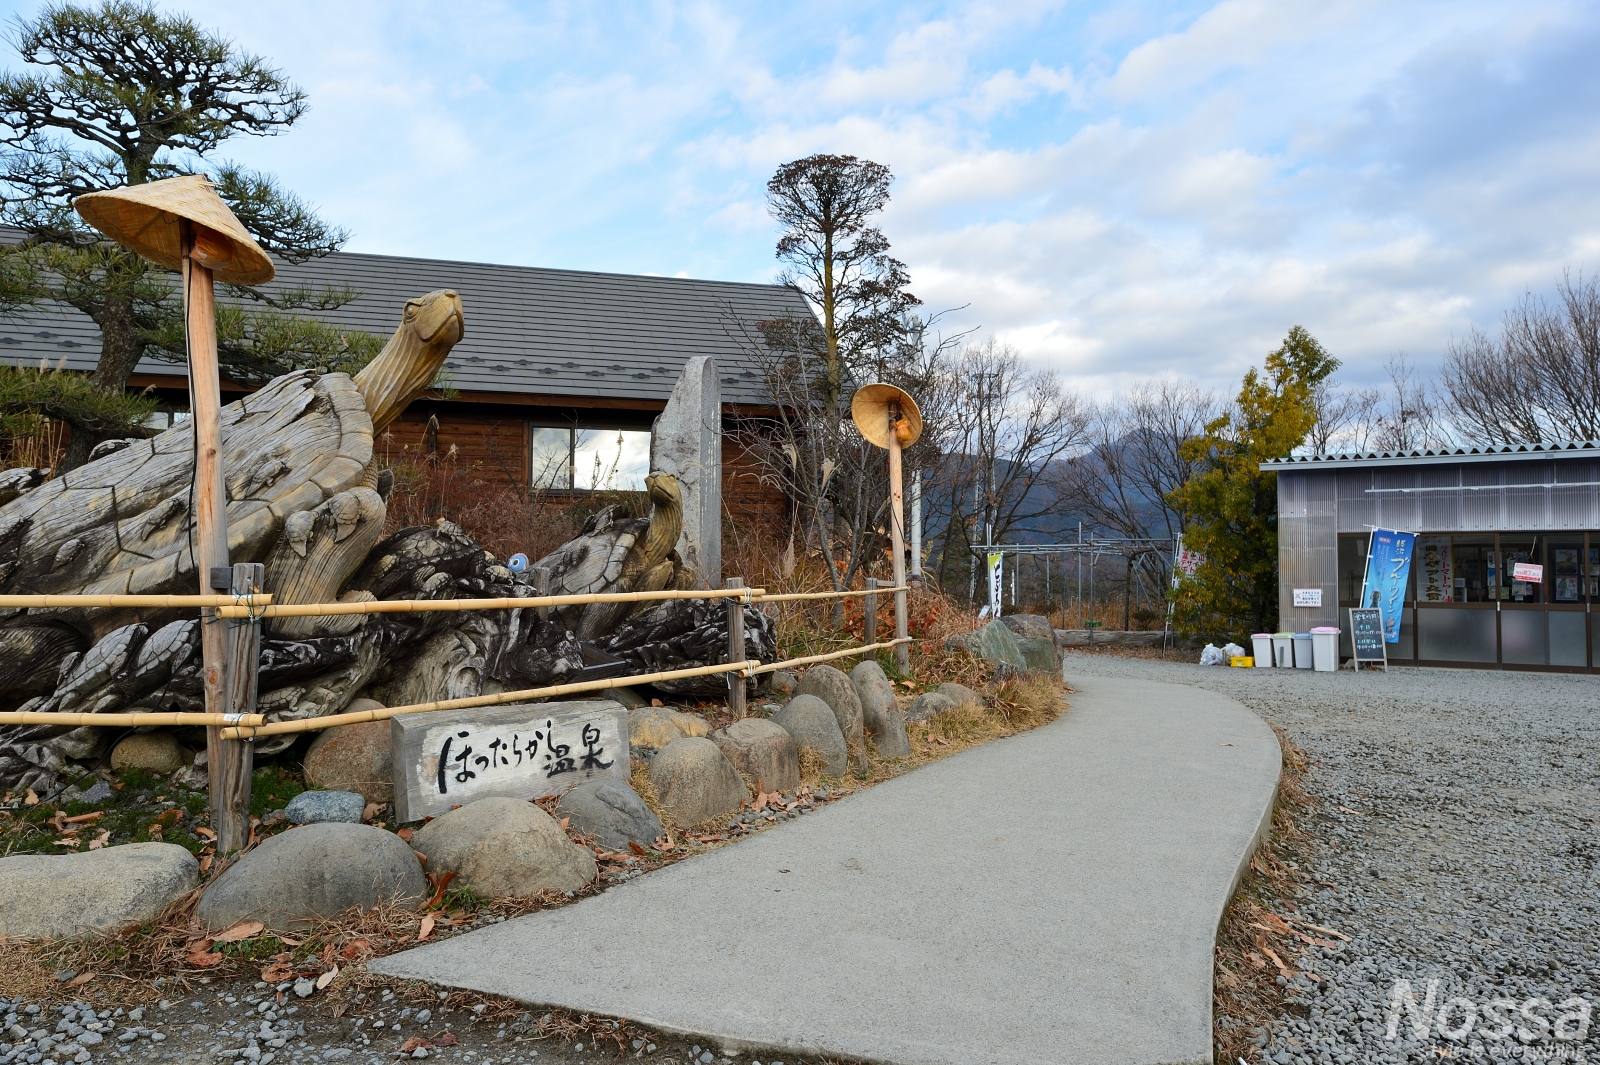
146	218
870	411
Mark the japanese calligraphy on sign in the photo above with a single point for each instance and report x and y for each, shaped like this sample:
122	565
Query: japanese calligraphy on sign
523	750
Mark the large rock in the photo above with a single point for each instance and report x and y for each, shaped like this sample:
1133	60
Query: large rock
1039	654
994	643
1029	625
322	807
58	896
880	712
612	813
929	704
357	758
314	872
657	726
694	781
154	752
763	751
835	689
960	694
812	724
504	848
686	441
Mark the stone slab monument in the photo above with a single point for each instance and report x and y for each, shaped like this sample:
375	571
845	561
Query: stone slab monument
686	441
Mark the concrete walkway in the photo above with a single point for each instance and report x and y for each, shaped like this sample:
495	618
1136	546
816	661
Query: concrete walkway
1052	897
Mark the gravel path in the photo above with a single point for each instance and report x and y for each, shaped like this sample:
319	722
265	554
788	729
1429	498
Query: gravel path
246	1024
1455	842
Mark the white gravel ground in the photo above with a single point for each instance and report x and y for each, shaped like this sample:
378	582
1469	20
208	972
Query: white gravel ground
1455	842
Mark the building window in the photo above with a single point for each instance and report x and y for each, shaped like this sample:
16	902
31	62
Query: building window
564	457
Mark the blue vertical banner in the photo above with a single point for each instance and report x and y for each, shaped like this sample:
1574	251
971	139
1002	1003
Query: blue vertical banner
1388	574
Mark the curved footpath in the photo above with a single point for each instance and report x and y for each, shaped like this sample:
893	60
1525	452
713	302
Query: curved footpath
1052	897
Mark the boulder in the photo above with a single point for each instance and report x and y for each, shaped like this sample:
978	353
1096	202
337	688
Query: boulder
504	848
1029	625
657	726
357	757
694	781
812	724
612	813
61	896
1039	654
320	807
959	694
993	643
154	752
929	704
763	751
835	689
784	683
628	697
880	712
314	872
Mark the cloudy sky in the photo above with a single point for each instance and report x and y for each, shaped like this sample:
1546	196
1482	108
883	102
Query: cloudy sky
1117	189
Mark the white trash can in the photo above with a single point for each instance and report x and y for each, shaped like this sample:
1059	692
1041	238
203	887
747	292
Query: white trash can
1325	649
1263	645
1283	650
1302	650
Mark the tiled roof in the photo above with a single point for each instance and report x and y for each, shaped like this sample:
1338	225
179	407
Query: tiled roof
529	330
1454	455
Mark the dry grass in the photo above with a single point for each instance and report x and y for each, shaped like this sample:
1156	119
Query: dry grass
1260	939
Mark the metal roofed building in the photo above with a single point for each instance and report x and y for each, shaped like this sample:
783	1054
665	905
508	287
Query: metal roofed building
1477	512
551	359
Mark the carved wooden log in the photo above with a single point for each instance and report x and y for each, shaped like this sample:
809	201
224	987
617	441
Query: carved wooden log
317	554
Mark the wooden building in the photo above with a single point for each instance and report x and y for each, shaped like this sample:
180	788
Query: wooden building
559	369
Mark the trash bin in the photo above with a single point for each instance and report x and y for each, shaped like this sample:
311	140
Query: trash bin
1283	650
1325	648
1302	650
1263	646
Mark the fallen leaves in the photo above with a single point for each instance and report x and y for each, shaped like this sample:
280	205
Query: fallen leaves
405	834
426	930
100	840
240	931
440	886
205	833
371	810
30	799
636	849
277	973
327	978
203	959
444	1039
80	979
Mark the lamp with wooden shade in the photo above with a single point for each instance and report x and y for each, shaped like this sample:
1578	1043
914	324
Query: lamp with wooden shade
888	417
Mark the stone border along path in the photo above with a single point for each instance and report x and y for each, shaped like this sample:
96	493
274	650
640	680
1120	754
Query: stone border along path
1051	897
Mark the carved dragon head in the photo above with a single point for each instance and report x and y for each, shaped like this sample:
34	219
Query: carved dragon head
429	328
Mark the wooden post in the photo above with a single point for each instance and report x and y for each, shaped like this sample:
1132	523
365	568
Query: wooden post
541	586
238	756
735	649
897	543
869	613
211	533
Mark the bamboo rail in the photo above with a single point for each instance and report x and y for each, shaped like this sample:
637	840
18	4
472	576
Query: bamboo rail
420	606
133	720
814	659
313	724
789	597
242	603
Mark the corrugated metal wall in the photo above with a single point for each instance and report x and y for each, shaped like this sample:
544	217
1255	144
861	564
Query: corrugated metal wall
1308	548
1504	508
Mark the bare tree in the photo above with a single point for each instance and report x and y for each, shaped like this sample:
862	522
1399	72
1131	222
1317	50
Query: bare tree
1540	381
1345	417
1408	416
1008	425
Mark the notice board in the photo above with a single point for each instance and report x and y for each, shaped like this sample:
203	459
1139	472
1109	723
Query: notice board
1366	635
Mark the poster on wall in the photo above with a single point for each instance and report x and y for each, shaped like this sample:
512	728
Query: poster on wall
1388	573
1434	584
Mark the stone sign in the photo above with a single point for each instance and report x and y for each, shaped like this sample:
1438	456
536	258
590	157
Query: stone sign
519	751
686	441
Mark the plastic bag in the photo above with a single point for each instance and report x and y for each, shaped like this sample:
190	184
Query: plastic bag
1212	655
1233	650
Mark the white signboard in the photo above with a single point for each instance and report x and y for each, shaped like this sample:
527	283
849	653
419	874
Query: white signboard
520	751
1189	561
996	582
1308	597
1527	571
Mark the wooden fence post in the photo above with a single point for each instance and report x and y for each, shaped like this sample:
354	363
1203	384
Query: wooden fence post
869	613
897	523
541	586
230	799
736	651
